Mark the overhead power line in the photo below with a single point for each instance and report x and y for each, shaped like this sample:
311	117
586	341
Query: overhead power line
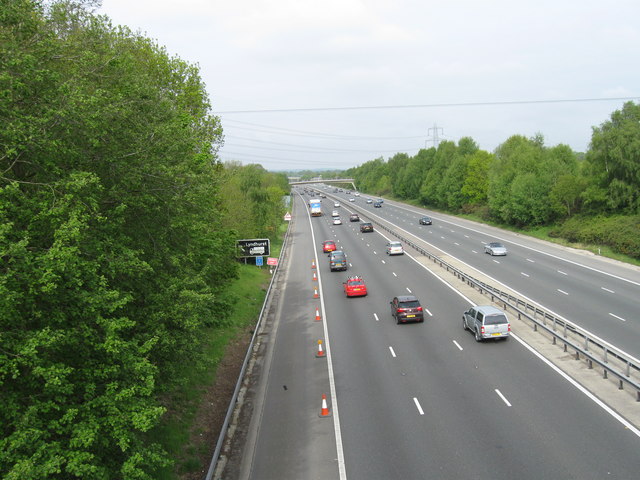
429	105
312	134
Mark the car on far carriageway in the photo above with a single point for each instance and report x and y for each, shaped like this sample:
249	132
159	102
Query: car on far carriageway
377	205
328	246
394	248
355	287
406	308
369	200
425	221
495	248
354	217
366	227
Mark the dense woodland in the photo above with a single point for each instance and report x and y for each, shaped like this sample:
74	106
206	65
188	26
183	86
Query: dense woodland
592	198
117	239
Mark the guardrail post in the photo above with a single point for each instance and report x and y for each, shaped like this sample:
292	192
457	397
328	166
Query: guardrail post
586	344
605	374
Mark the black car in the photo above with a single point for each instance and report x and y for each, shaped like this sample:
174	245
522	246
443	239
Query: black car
337	261
406	308
354	217
366	227
425	221
377	204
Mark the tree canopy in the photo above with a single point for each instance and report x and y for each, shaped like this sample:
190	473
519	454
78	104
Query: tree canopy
116	245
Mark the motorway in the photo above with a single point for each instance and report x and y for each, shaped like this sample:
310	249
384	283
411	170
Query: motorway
599	295
424	400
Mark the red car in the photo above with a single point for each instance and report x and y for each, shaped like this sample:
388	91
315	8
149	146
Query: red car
328	246
355	287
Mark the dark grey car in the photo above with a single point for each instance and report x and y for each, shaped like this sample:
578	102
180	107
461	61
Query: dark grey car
338	261
406	308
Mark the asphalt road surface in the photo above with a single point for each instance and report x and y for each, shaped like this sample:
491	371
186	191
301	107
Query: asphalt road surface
421	401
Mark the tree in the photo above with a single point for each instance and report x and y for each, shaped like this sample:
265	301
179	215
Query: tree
476	181
614	157
113	253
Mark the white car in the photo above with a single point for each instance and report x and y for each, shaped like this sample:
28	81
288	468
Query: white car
395	248
336	205
337	221
369	200
352	199
495	248
335	213
357	194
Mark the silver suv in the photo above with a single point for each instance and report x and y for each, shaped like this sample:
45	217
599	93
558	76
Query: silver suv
486	321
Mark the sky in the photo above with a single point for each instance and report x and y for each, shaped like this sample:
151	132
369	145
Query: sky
332	84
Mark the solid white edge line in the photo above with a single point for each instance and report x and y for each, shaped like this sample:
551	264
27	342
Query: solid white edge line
504	399
420	411
566	260
573	382
342	471
520	293
595	399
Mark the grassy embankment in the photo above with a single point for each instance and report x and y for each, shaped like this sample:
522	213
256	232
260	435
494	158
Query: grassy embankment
249	291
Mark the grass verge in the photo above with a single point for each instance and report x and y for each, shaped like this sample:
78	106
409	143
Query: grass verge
183	424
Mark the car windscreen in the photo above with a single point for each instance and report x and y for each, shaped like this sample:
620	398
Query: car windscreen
495	319
409	304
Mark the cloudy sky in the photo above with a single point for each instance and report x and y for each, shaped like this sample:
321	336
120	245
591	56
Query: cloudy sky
336	83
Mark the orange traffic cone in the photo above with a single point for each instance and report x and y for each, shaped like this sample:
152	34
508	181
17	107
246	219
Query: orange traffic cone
318	318
315	277
324	411
313	264
315	293
320	353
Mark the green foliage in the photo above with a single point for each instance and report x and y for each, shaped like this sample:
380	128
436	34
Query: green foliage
254	199
614	159
620	232
115	248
